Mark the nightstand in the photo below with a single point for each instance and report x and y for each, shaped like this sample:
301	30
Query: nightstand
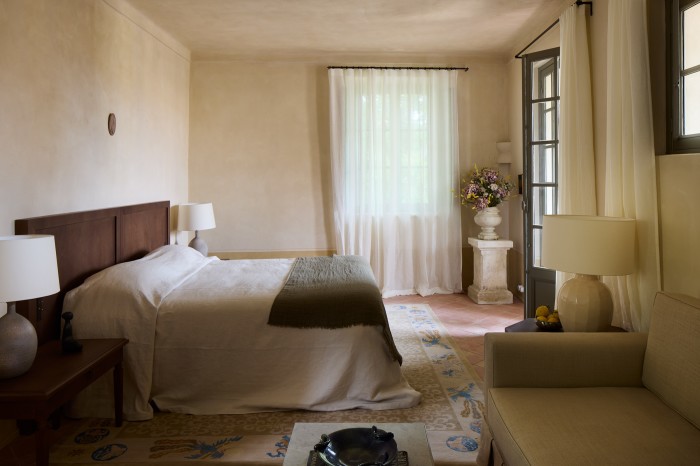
54	379
529	325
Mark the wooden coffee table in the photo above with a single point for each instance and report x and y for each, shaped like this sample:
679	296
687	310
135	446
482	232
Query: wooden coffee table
410	437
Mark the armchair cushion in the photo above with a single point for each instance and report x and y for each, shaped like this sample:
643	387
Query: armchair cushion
613	425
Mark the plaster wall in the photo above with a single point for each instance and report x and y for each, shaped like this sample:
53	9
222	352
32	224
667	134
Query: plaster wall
259	147
65	67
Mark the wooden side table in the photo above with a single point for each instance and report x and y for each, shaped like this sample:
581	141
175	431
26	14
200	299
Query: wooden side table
54	379
529	325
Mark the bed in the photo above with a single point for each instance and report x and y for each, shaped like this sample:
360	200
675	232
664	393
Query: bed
199	337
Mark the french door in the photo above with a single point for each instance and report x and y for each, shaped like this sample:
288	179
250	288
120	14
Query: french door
540	152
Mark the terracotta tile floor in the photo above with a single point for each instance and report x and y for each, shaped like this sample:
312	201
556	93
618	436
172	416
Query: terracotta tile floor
465	321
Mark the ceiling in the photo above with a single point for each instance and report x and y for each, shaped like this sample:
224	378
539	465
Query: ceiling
220	29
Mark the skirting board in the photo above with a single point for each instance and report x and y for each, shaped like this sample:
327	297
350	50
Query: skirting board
271	254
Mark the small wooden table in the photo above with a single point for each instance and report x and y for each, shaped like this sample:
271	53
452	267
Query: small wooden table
529	325
54	379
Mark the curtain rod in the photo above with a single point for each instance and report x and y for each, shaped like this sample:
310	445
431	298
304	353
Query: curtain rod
392	68
578	3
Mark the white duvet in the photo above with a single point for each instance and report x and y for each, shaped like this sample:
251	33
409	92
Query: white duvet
199	343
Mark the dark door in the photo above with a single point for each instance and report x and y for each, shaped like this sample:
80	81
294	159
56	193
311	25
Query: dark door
540	152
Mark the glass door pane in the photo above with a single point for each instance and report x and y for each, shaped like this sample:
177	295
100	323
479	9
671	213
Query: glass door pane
544	163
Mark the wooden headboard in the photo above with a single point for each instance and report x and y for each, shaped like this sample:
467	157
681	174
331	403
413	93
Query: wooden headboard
87	242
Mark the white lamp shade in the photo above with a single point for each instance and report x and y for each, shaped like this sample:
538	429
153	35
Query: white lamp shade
28	267
589	245
192	217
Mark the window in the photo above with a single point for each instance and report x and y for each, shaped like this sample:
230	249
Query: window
399	140
684	79
394	164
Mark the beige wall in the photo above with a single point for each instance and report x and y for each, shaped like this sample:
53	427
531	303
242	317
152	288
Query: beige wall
259	147
65	65
259	152
679	218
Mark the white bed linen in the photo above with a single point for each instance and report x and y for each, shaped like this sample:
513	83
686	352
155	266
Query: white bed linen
200	343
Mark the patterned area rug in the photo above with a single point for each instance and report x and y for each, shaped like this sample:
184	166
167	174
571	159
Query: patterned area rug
451	409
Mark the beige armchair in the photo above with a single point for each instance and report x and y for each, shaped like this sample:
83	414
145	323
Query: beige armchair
596	398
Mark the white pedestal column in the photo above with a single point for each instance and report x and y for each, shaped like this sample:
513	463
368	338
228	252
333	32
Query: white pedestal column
490	272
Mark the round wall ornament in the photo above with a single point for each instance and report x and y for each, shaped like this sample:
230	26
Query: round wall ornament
111	124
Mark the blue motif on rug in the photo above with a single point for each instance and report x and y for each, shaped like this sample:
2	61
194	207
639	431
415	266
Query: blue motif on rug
465	396
476	426
199	450
109	452
433	338
281	448
472	406
462	443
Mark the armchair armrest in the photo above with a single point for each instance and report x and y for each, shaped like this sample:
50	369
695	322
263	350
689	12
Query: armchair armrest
548	360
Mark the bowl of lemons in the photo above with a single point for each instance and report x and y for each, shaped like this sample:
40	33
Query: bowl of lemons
546	319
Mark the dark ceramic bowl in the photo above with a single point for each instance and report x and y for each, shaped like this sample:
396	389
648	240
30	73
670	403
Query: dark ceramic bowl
357	446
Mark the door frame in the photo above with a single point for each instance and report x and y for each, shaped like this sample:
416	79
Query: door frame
540	283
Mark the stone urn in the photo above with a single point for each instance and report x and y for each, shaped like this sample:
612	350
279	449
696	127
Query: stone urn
488	219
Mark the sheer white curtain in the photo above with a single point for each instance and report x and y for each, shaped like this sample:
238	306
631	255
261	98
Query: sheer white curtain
630	180
576	175
394	161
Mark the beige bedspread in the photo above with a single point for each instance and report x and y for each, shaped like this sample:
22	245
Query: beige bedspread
200	343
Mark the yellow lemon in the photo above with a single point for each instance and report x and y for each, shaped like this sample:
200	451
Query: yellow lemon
553	318
542	311
542	318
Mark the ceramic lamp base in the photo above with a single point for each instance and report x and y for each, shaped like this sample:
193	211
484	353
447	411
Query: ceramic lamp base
18	344
199	244
585	304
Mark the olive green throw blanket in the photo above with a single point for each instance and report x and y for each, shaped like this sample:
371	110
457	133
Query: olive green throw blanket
331	292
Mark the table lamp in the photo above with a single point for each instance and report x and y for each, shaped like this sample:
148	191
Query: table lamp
195	217
587	246
28	270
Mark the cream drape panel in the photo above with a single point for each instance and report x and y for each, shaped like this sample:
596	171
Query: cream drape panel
576	174
394	162
630	183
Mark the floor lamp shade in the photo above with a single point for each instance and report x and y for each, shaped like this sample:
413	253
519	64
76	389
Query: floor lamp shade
195	217
587	246
28	270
